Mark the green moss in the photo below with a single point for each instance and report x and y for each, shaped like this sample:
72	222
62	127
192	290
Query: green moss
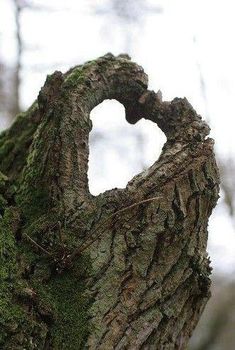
32	196
65	296
34	202
19	328
3	203
15	142
3	181
6	147
45	231
7	245
75	78
35	195
11	314
61	299
60	312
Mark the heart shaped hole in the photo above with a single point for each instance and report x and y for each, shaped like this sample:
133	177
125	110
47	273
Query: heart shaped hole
119	150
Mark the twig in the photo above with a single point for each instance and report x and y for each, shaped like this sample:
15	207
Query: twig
82	248
36	244
85	245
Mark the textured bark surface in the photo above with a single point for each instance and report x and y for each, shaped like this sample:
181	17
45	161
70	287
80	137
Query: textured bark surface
127	269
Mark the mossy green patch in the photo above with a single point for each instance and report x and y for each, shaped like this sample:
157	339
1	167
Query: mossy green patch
61	300
34	202
65	296
75	78
32	197
19	328
15	142
3	203
3	181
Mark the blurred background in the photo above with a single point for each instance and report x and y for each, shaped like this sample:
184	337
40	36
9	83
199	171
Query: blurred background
187	48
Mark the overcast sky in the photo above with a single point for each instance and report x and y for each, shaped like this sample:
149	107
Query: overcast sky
189	40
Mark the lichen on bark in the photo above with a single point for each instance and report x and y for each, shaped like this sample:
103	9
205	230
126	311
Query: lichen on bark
127	269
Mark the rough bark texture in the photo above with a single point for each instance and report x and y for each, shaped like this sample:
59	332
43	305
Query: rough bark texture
127	269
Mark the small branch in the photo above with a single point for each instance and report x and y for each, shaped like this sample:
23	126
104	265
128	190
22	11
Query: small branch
31	240
102	224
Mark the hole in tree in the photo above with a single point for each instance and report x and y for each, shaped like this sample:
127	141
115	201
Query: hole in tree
119	150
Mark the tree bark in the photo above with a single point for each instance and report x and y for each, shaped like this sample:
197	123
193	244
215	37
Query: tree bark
126	269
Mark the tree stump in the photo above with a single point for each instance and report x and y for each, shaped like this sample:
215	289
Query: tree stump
126	269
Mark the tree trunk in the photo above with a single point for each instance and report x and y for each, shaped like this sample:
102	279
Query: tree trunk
126	269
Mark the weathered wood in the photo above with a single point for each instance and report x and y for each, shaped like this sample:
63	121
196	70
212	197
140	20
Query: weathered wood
127	269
